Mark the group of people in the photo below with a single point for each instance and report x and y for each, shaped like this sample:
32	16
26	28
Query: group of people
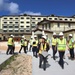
57	43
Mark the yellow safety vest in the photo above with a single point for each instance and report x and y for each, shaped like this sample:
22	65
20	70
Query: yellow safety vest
42	48
48	41
22	42
70	44
36	43
61	45
25	43
54	41
10	41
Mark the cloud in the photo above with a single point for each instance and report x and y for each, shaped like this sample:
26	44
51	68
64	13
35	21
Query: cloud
31	13
12	7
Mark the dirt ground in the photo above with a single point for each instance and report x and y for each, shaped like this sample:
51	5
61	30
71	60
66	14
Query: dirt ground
22	65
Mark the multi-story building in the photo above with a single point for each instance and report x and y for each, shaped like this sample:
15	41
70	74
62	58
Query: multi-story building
19	25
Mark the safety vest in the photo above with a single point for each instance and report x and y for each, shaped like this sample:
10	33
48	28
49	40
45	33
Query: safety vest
25	43
10	41
70	43
54	40
36	43
61	44
31	42
48	41
22	42
42	48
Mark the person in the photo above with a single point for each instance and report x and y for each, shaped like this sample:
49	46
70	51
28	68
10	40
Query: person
71	46
10	45
61	46
42	46
26	44
54	47
22	45
31	42
35	46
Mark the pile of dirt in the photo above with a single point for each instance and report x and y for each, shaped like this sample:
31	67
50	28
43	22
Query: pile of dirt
22	65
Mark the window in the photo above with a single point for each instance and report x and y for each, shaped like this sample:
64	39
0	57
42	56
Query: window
11	18
27	30
60	19
4	30
10	30
16	30
33	26
70	19
65	19
21	30
27	26
21	26
39	18
42	26
69	25
16	22
27	22
49	26
10	26
33	22
27	18
58	24
5	22
55	18
4	26
16	18
22	22
5	18
10	22
50	18
33	18
22	17
16	26
46	26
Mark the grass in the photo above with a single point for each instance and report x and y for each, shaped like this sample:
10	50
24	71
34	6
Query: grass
7	62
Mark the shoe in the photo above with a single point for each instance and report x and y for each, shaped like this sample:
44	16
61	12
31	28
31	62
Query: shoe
39	66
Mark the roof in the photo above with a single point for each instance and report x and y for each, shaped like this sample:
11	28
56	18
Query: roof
45	21
38	29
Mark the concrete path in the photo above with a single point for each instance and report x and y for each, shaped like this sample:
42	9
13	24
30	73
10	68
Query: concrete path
3	56
53	67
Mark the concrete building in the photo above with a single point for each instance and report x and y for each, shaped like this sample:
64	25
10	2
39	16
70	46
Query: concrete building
19	25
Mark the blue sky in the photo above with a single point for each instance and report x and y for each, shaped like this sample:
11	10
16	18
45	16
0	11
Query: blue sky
38	7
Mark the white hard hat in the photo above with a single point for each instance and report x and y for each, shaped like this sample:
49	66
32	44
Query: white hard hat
11	35
22	36
46	34
44	37
54	33
31	36
70	35
35	36
61	34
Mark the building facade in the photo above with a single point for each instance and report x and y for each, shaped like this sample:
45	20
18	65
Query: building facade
19	25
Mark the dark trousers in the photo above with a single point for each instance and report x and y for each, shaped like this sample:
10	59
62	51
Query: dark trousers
13	49
71	53
61	61
30	47
34	49
54	51
24	47
40	60
10	49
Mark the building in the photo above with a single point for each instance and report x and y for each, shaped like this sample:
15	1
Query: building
19	25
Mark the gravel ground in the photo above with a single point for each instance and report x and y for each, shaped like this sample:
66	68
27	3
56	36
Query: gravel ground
22	65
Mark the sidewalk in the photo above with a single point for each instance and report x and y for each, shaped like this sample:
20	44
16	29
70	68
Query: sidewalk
53	67
3	56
